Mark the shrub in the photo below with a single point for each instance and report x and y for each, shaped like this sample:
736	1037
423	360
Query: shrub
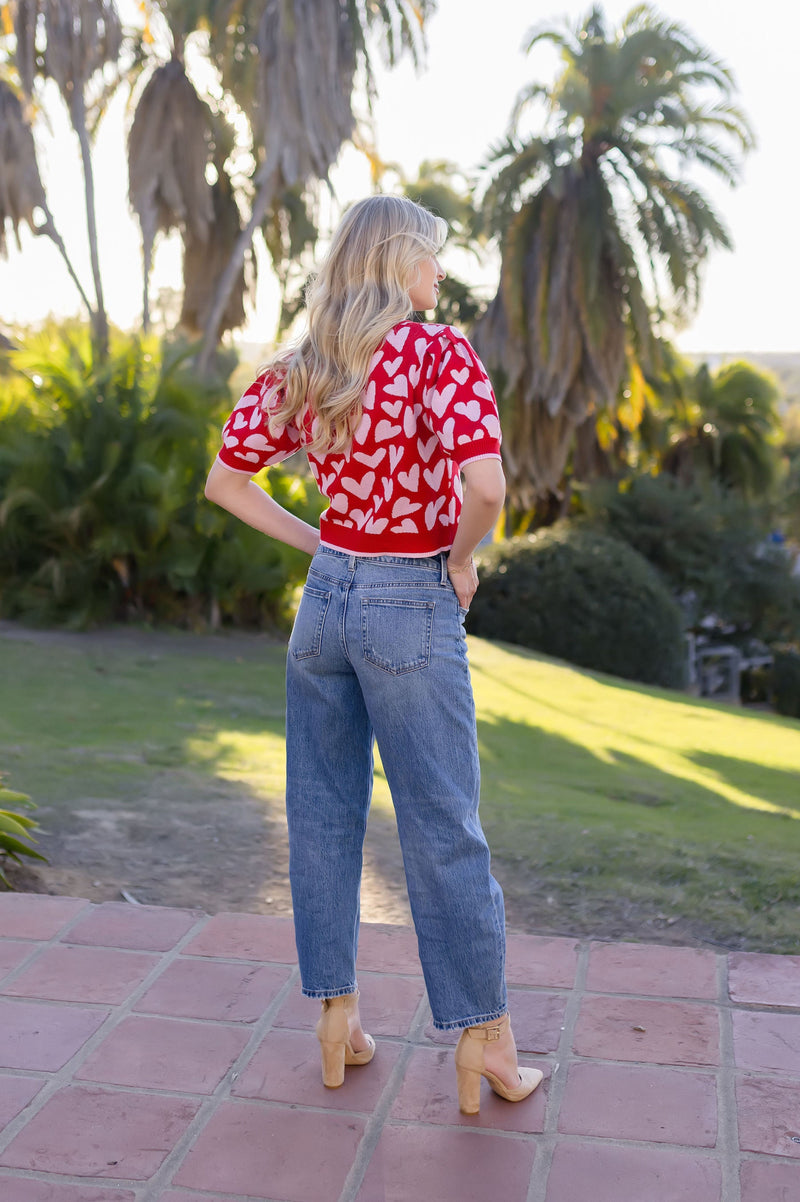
786	681
103	516
583	597
16	830
711	548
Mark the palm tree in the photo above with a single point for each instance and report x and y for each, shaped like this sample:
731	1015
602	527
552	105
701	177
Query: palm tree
169	149
21	189
726	428
72	42
291	66
603	234
441	187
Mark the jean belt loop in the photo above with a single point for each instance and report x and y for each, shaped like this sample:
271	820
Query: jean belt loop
443	560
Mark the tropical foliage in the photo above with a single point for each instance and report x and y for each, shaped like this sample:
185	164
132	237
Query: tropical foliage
700	424
710	545
278	80
726	427
603	231
102	466
16	829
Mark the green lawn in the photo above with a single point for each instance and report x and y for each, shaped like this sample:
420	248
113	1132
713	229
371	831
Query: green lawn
611	809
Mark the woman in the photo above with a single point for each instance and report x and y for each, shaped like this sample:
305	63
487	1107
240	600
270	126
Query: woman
390	413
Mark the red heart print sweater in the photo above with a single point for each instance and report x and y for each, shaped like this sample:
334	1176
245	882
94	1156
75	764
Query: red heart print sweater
429	409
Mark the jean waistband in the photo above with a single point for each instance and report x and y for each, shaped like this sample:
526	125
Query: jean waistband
428	563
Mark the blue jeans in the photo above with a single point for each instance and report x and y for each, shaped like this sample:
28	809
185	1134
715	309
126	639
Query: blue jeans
378	651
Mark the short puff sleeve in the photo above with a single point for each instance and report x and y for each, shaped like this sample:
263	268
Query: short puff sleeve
460	401
247	443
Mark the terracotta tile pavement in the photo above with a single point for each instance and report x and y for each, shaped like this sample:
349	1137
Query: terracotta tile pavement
157	1055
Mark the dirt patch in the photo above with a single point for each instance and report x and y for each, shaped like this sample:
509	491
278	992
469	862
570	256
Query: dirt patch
190	840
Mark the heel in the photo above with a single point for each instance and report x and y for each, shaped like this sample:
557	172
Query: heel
468	1081
333	1033
332	1063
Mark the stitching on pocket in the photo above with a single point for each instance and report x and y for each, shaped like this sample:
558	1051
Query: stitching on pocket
398	639
309	623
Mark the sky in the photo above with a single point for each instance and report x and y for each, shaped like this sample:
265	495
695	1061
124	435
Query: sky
455	109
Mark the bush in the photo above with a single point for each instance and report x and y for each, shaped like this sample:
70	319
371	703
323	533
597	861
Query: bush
103	517
710	546
582	597
16	830
786	681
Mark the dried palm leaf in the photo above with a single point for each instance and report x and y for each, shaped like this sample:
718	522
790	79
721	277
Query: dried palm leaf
21	189
168	151
204	261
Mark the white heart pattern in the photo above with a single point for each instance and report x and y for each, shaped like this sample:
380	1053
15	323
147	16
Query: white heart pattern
432	510
370	460
426	395
402	506
434	476
385	430
440	401
359	488
410	479
470	409
426	448
258	442
398	387
397	338
361	433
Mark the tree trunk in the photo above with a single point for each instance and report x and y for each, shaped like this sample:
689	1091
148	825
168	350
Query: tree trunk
148	262
48	230
78	115
265	187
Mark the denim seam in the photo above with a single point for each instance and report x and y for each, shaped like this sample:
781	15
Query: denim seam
459	1023
316	642
415	665
323	993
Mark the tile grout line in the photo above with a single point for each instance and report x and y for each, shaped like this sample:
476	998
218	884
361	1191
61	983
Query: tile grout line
116	1013
377	1120
727	1115
162	1178
41	946
558	1080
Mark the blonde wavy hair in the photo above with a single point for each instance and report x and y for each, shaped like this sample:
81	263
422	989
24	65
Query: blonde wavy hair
359	293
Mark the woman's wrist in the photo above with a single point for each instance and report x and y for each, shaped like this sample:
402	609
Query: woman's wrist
454	566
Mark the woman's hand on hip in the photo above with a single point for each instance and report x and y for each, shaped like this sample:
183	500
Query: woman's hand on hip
464	579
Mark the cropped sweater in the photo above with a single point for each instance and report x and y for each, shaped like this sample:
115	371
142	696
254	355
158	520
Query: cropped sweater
428	411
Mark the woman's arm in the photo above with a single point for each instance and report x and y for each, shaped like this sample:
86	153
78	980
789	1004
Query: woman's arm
483	503
246	500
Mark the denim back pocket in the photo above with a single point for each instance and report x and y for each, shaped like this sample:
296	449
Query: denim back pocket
306	637
396	635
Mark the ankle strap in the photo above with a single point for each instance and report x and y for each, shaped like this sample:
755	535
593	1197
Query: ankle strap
489	1031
